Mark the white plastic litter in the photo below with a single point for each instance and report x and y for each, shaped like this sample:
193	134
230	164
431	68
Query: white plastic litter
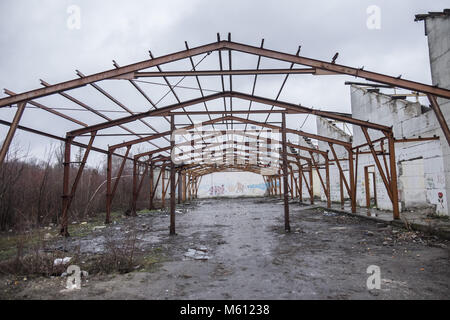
64	261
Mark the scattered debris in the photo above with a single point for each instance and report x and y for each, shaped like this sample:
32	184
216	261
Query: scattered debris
329	214
64	261
197	254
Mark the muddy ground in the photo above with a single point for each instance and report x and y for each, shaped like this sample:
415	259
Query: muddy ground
237	249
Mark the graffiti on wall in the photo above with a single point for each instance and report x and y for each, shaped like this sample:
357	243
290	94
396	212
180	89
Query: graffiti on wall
441	199
238	188
235	189
232	184
217	190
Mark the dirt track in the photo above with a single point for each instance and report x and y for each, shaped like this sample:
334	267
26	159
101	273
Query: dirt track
251	257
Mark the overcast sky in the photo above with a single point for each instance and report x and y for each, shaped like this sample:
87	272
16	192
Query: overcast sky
36	43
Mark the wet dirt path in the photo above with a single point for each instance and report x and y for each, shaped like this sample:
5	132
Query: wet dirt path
247	255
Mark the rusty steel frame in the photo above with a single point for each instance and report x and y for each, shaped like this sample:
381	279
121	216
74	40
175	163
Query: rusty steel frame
188	179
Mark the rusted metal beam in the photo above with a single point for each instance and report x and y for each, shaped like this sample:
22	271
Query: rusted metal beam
352	177
282	85
326	67
287	226
111	192
76	83
152	196
297	132
163	187
286	105
137	191
198	80
439	116
254	84
233	112
139	89
341	191
388	176
419	139
380	168
184	186
172	88
172	182
108	187
96	112
180	187
291	186
222	77
324	186
51	136
356	174
300	182
299	108
393	169
205	73
11	131
68	197
41	106
151	178
327	179
341	69
311	182
336	158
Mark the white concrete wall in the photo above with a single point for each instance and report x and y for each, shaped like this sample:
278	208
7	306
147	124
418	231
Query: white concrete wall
437	30
232	184
408	119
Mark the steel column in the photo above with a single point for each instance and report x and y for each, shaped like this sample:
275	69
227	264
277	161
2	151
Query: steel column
67	198
287	226
108	187
327	178
394	187
352	179
152	176
172	180
180	186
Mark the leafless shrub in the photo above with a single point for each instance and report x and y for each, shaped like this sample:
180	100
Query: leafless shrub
32	258
31	189
119	255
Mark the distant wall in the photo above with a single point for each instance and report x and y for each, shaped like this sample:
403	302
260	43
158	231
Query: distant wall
231	184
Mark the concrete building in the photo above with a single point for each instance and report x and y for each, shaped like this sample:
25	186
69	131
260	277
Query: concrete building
423	167
437	29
